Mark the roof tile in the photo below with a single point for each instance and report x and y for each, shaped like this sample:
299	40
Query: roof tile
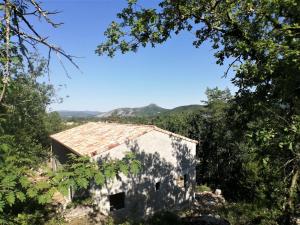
96	137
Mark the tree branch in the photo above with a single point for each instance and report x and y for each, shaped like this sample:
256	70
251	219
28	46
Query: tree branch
230	65
52	47
45	13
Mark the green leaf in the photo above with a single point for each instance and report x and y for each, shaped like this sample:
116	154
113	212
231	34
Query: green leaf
42	185
32	192
24	182
2	204
123	168
4	147
99	179
20	196
10	198
135	167
82	182
109	171
45	198
63	189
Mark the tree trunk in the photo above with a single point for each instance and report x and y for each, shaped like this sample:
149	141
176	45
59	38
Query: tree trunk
293	190
5	78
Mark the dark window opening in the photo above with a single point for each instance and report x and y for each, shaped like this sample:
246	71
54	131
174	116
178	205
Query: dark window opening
157	186
186	180
117	201
180	181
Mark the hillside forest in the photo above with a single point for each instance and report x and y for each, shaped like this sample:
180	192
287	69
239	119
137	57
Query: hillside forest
249	141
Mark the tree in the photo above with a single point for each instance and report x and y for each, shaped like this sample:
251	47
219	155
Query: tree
262	40
26	183
19	38
215	140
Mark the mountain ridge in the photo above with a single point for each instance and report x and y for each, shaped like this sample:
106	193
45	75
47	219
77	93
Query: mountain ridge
145	111
74	113
150	110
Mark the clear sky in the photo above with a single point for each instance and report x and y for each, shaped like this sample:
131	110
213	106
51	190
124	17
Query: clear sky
170	75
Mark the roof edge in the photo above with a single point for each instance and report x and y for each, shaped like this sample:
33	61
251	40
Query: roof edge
72	150
174	134
76	127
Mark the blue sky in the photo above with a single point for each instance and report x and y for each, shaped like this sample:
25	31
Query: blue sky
169	75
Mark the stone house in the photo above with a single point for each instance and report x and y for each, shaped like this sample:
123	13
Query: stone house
165	182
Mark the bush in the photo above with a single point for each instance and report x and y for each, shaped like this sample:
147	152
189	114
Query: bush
202	188
163	218
249	214
159	218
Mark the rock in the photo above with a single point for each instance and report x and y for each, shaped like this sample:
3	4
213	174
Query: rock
77	212
208	200
218	192
297	221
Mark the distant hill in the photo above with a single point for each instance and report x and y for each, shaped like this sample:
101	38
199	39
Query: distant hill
185	108
146	111
151	110
82	114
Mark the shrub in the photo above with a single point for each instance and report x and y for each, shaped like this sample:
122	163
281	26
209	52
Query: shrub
202	188
249	214
159	218
163	218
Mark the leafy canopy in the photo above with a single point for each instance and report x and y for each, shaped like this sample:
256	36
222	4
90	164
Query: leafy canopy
261	39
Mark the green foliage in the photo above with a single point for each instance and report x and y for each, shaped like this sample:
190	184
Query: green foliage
54	123
27	185
159	218
24	147
80	172
165	217
202	188
215	96
249	214
258	144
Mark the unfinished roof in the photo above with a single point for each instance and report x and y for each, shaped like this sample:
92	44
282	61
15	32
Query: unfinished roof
97	137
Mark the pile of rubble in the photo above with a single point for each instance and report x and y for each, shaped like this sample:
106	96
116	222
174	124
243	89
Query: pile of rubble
208	202
204	210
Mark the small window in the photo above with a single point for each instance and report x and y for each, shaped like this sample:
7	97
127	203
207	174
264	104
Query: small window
117	201
180	182
157	186
183	181
186	180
